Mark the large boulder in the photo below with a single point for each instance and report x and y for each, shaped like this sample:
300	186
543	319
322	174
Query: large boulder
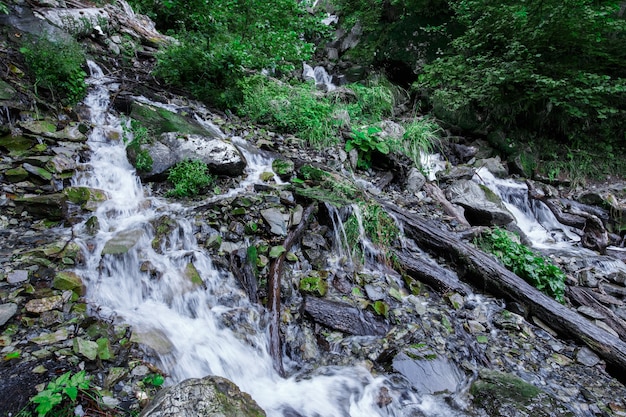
211	396
482	206
171	148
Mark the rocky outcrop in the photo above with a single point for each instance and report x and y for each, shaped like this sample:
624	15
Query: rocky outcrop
211	396
482	206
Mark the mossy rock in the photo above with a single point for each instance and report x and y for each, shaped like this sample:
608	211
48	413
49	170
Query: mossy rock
330	187
161	120
315	283
17	145
501	394
284	168
87	198
68	280
16	174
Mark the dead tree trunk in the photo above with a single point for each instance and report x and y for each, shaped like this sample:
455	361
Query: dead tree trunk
273	284
488	275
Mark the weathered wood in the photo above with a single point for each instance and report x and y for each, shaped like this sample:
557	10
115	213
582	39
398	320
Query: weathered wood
439	278
273	284
488	275
242	270
344	317
454	211
584	297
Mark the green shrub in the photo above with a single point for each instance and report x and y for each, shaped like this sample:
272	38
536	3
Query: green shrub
374	101
367	143
371	221
62	389
516	257
422	136
135	136
189	178
57	67
298	109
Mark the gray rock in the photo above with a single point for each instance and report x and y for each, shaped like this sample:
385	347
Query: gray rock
428	374
211	396
415	181
493	165
40	305
7	311
587	357
18	276
122	242
172	147
482	207
276	220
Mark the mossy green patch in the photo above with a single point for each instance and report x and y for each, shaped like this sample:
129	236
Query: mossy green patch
161	120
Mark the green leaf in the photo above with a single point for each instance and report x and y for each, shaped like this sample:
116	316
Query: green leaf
276	251
71	392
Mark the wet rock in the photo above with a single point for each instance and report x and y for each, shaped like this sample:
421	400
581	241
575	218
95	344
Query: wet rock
482	207
493	165
7	311
276	220
85	348
415	181
68	280
48	206
457	173
211	396
15	277
17	145
154	339
162	120
51	338
16	174
501	394
39	305
428	372
85	197
122	242
171	148
344	317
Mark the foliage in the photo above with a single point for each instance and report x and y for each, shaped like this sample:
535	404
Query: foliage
218	39
519	259
422	136
371	222
328	187
136	135
4	8
188	178
552	67
367	143
155	380
375	101
66	385
57	67
290	109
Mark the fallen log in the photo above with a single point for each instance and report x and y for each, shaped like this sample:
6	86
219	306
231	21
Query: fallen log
454	211
273	285
488	275
584	297
344	317
439	278
242	270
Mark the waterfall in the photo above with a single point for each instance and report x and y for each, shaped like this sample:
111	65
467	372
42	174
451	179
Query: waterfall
192	328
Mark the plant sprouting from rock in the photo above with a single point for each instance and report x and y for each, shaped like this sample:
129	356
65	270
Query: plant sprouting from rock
189	178
64	388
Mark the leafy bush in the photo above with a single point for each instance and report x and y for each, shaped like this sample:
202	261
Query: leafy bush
422	136
57	66
135	136
63	388
552	67
189	178
296	109
219	39
516	257
375	101
367	143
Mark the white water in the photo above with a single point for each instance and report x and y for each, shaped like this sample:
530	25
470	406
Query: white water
197	330
534	218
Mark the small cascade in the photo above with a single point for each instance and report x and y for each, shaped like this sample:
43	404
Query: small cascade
533	217
323	80
193	319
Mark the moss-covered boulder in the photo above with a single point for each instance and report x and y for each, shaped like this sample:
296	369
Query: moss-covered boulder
501	394
212	396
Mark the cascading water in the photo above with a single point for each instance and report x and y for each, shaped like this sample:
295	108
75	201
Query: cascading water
198	328
534	218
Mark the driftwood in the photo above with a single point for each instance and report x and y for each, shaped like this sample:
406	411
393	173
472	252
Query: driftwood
488	275
273	285
456	212
585	297
242	270
344	317
440	279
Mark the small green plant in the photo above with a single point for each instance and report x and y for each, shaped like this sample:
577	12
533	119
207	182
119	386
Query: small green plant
367	143
188	178
519	259
136	135
422	136
4	8
57	67
372	222
64	387
155	380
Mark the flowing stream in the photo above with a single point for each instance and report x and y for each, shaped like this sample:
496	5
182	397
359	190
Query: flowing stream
199	329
